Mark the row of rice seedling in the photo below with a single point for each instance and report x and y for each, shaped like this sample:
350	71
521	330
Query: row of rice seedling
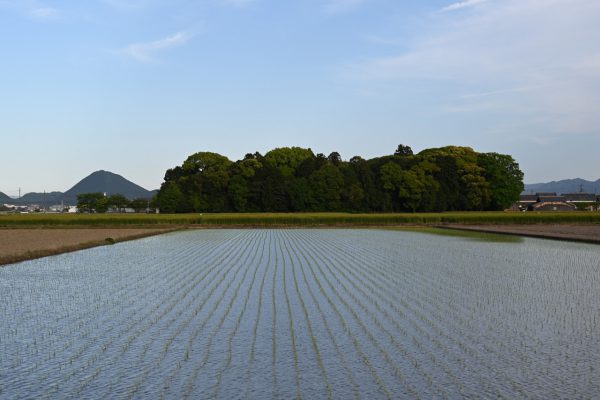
184	355
517	350
424	319
347	269
304	313
467	326
136	323
411	316
339	274
315	304
189	304
324	267
200	364
203	313
313	339
422	313
229	358
363	357
290	315
75	329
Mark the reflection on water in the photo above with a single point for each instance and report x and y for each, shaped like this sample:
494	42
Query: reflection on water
465	234
305	313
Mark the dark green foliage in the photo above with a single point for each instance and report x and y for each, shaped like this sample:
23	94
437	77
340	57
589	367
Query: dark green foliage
118	202
92	202
403	150
295	179
139	205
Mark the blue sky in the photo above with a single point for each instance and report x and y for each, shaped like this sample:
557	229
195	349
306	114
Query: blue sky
135	86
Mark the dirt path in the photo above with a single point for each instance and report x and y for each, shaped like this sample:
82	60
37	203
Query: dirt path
24	244
580	233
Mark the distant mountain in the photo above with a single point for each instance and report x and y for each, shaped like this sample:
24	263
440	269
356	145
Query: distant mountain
109	183
39	198
99	181
564	186
4	198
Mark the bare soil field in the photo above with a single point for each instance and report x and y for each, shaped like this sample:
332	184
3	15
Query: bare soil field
23	244
574	232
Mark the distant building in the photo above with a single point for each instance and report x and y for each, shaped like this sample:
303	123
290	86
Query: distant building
580	197
550	201
553	206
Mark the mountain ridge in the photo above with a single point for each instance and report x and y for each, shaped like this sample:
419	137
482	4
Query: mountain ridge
564	186
99	181
109	183
4	198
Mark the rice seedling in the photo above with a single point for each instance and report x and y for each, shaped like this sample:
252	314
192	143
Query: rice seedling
304	313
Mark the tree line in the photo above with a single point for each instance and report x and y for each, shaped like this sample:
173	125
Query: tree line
100	203
294	179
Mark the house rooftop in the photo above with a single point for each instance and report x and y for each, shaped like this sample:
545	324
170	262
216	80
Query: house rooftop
580	197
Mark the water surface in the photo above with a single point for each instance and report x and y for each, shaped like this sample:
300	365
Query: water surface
306	314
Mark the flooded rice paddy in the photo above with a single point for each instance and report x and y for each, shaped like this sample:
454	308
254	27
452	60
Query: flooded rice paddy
311	314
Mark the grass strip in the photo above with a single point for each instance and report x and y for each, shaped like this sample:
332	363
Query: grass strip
296	219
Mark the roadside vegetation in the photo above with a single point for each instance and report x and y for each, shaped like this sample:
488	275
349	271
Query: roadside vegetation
295	219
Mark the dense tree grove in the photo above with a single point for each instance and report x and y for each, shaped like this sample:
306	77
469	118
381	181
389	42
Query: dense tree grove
295	179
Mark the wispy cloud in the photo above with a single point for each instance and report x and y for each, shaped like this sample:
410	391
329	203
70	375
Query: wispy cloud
339	6
31	9
145	52
501	92
462	4
44	13
539	58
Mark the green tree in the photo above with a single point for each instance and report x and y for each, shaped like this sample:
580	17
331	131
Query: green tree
102	205
326	185
504	177
408	186
294	179
170	198
287	159
118	201
403	150
139	205
238	192
90	202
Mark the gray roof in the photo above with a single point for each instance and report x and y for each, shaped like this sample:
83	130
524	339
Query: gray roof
528	198
582	197
553	199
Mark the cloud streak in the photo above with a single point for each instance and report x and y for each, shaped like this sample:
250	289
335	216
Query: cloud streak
539	58
44	13
146	52
32	9
462	4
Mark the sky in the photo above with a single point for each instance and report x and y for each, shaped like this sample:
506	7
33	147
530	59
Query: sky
136	86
